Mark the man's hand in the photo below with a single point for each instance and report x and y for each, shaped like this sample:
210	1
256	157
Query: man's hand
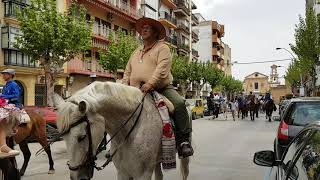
146	88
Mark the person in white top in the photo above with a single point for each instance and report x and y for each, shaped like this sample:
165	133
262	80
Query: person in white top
233	107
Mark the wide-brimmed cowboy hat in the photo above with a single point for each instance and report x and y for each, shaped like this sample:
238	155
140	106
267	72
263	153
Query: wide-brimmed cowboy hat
154	23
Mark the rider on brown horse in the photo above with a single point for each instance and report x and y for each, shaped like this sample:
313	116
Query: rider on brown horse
11	93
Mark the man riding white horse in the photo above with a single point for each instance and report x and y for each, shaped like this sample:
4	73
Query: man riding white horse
150	66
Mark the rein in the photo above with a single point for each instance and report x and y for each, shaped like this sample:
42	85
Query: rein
89	161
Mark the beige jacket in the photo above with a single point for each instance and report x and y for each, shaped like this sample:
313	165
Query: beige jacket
153	68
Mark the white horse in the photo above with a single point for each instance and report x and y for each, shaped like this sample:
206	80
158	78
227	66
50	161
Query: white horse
107	106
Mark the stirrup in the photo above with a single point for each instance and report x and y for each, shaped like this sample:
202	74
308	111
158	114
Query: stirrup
11	153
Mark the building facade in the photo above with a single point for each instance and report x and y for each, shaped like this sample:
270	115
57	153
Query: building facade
108	16
257	83
28	76
210	46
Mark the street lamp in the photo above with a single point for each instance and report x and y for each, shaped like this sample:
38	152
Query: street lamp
294	59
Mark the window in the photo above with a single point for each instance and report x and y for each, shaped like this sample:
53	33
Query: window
87	60
256	85
8	36
11	7
304	113
16	58
40	95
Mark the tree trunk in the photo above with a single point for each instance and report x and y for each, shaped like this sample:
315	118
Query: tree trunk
50	79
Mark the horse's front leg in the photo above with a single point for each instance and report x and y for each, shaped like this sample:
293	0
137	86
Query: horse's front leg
26	155
158	172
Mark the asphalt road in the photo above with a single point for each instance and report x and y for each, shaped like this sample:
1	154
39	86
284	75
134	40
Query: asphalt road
223	151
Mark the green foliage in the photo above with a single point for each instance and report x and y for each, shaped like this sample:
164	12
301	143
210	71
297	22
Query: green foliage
52	37
212	75
231	85
307	48
180	68
293	74
120	48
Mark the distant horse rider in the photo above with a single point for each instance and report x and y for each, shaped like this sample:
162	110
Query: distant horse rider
150	66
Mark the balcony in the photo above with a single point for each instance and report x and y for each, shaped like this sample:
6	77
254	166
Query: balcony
216	39
195	37
172	40
195	53
217	28
167	20
86	67
16	58
184	28
195	20
182	8
169	3
215	52
12	7
118	7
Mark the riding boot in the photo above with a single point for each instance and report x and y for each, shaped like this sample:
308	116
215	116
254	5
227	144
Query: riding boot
184	146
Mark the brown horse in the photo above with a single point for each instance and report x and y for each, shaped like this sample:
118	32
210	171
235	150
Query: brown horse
36	128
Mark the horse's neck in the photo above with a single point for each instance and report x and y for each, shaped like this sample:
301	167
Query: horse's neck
116	113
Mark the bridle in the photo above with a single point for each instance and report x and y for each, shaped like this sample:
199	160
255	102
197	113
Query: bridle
90	158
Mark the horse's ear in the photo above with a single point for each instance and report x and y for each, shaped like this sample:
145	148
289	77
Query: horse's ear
82	107
57	100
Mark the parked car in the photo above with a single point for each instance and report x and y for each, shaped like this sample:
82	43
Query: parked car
301	158
298	113
197	108
50	116
282	105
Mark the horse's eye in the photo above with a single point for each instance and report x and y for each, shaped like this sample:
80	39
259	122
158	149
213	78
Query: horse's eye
81	138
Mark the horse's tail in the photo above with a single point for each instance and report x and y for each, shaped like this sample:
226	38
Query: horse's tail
184	168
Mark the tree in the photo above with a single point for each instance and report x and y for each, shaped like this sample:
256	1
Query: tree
293	74
120	48
180	72
231	85
213	75
53	38
307	45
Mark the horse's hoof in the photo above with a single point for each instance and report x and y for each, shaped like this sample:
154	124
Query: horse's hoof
51	171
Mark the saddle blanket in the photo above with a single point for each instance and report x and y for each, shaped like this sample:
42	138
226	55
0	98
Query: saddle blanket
6	110
168	159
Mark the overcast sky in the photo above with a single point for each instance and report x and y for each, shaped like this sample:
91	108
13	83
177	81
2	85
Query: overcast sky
254	28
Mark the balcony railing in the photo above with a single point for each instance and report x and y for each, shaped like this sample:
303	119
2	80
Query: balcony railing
172	40
195	53
182	4
195	36
167	16
124	6
16	58
183	27
195	19
12	7
102	31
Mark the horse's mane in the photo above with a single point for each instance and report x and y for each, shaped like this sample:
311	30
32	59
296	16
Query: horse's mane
96	95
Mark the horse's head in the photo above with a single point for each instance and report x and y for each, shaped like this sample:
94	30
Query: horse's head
75	120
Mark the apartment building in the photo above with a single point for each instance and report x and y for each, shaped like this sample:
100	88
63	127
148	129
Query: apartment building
168	19
108	16
28	75
210	46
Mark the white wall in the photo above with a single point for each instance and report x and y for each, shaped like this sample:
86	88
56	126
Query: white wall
204	45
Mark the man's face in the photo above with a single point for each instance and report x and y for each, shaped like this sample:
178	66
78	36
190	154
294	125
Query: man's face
148	32
6	76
